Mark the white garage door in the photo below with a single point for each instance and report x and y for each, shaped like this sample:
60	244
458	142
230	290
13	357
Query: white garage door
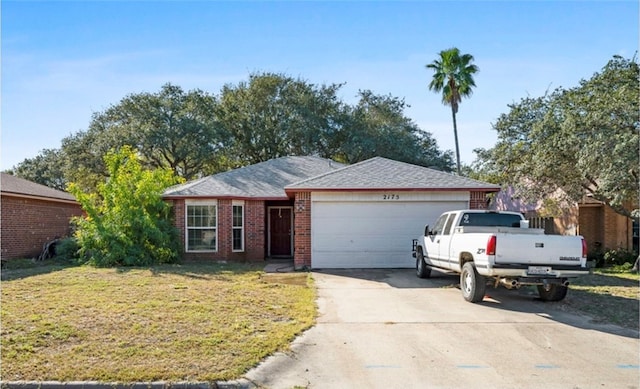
373	230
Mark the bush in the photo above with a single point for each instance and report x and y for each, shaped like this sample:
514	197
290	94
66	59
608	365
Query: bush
597	257
619	257
67	249
127	223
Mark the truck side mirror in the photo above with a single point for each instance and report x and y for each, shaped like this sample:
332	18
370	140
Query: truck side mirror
426	231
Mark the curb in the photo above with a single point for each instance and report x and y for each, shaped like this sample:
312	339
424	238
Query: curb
236	384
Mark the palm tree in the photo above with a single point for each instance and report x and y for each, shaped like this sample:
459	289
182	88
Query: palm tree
453	76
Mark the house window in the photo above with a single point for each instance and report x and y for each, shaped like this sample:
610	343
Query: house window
238	226
202	227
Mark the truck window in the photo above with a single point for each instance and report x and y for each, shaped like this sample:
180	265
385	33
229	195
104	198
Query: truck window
448	224
490	219
439	226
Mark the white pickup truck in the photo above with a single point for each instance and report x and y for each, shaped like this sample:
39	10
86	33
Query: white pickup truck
498	248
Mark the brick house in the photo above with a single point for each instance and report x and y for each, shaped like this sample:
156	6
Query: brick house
321	213
604	229
32	214
599	224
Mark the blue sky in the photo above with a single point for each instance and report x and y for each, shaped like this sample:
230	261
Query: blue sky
63	61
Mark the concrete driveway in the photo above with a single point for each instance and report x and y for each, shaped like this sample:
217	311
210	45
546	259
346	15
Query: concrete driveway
389	329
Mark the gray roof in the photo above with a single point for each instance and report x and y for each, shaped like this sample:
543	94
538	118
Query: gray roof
12	185
270	179
262	180
383	173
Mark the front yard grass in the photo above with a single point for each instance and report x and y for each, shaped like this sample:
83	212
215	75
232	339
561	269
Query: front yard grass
608	297
189	322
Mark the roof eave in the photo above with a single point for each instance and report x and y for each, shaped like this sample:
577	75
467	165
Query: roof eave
225	197
42	198
443	189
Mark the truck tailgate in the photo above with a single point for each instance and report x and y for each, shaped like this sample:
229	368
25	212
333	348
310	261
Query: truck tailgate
538	249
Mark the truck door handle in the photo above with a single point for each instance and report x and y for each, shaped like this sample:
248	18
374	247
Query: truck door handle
438	241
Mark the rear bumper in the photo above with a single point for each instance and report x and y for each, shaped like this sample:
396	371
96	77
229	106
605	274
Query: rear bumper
523	271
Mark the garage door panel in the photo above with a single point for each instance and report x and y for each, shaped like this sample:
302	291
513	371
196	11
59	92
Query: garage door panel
343	228
368	210
370	234
363	260
373	243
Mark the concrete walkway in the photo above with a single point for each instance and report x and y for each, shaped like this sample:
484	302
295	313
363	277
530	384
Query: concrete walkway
279	266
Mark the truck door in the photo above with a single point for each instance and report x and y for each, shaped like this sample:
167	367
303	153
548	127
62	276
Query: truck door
432	241
444	248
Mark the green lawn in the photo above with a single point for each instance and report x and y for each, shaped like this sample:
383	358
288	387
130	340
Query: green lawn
195	322
608	297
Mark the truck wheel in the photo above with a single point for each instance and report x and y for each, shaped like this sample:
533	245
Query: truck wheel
422	270
472	284
552	292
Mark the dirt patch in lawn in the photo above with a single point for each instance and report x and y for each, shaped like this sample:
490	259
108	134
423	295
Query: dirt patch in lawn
300	279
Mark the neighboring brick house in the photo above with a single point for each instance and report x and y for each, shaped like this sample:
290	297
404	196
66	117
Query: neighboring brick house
32	215
603	228
599	224
321	213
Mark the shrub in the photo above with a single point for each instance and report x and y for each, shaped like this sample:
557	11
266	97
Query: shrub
596	256
127	223
67	249
619	257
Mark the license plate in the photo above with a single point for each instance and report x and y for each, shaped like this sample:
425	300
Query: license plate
539	270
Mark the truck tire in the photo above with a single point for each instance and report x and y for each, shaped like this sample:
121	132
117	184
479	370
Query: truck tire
472	284
422	270
552	292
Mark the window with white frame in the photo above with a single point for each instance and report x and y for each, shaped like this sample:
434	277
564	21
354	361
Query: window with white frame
238	226
202	226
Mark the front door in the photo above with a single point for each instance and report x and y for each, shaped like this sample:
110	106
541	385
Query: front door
280	222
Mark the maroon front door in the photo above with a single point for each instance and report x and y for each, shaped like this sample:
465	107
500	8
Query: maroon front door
280	231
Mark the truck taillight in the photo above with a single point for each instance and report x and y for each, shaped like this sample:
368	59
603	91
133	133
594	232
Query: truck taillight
584	248
491	245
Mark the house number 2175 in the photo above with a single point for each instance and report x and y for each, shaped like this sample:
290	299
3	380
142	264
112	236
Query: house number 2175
390	197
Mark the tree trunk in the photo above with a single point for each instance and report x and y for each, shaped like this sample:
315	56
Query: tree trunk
455	136
636	266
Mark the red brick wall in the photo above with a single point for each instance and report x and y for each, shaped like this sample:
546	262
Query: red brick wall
27	224
591	227
618	230
302	238
604	229
254	232
477	200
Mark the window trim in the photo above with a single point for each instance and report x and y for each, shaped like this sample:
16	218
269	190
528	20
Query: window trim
237	203
208	202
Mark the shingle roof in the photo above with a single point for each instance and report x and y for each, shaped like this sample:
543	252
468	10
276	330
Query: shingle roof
10	184
262	180
383	173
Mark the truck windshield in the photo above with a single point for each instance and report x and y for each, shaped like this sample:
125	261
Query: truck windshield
490	219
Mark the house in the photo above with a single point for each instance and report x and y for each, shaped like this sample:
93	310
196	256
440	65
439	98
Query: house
32	215
320	213
604	229
599	224
563	222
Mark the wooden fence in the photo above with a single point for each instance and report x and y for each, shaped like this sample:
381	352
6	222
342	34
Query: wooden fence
545	223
